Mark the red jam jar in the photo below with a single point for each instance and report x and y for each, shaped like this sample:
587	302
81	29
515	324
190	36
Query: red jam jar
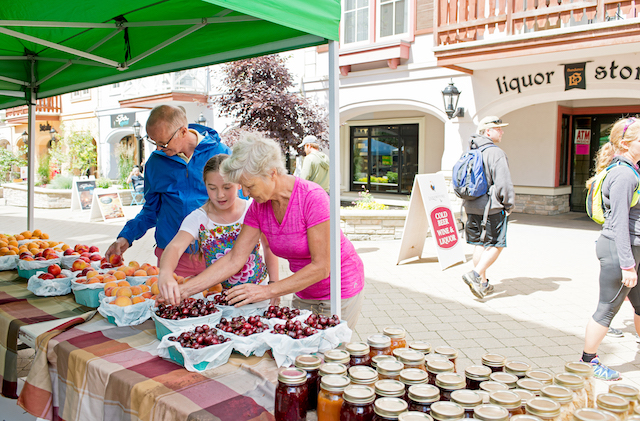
449	353
435	367
358	403
310	364
495	362
446	411
389	389
412	359
412	376
337	356
421	396
517	368
359	353
388	409
363	375
447	383
467	399
379	345
291	395
508	400
397	335
389	370
476	374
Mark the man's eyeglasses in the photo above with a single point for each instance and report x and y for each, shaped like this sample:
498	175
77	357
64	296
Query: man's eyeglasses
498	121
153	142
630	121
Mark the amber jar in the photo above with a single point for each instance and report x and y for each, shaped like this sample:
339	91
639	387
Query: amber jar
421	346
388	409
412	376
589	414
358	354
449	353
517	368
525	396
542	376
585	371
330	397
508	400
358	403
397	351
331	368
397	336
379	345
447	383
544	408
574	383
495	362
626	391
446	411
379	358
505	378
491	386
421	396
562	396
467	399
339	356
412	359
310	364
389	370
435	367
476	374
490	412
414	416
615	404
530	385
291	395
389	389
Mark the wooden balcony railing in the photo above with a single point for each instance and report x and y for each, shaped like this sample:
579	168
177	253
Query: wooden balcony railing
467	20
52	105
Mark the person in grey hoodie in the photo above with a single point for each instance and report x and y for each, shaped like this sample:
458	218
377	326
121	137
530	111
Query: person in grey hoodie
501	199
315	166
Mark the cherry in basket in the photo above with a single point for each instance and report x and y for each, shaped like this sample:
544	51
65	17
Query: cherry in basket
200	337
190	307
285	313
241	326
321	322
294	329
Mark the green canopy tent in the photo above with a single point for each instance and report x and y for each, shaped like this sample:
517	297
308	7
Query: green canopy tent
52	47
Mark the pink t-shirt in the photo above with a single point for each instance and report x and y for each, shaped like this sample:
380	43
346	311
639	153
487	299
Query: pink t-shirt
308	206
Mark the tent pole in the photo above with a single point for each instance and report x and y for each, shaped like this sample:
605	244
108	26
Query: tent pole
31	153
334	180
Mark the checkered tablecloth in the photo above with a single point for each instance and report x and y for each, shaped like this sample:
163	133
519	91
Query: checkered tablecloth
97	371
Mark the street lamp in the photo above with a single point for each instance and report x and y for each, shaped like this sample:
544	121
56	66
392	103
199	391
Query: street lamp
136	132
451	95
201	120
25	137
53	133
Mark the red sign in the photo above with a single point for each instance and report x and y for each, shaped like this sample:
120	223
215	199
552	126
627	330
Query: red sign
444	227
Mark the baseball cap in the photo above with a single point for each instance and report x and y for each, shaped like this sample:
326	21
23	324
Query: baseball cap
308	139
490	122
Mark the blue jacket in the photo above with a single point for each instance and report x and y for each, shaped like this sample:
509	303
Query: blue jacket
173	189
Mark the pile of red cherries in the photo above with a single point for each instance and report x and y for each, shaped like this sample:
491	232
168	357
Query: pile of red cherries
322	322
200	337
284	313
221	299
190	307
294	329
241	326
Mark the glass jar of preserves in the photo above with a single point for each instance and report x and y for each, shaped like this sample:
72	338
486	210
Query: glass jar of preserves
435	367
531	385
330	397
589	414
614	404
525	396
397	335
358	403
542	376
331	368
449	353
561	395
379	358
379	345
491	386
388	409
389	389
446	411
412	376
484	395
475	375
495	362
359	354
525	417
506	378
363	375
397	351
585	371
389	370
467	399
339	356
490	412
414	416
629	392
544	408
412	359
421	396
447	383
422	346
508	400
517	368
310	364
291	395
574	383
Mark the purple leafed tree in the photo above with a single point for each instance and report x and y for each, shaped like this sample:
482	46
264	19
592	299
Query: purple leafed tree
257	94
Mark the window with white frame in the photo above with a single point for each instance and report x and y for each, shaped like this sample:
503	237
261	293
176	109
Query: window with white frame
393	17
80	95
356	21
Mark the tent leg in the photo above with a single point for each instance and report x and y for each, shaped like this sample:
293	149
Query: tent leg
334	180
31	154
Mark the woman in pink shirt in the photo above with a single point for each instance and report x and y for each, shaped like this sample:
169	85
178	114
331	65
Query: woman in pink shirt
293	214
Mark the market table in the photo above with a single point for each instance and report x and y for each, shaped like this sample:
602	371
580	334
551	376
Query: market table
20	307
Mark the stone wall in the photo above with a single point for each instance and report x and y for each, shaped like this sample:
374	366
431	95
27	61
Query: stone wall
372	224
16	195
542	205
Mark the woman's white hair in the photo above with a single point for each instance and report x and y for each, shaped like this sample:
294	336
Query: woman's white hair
253	155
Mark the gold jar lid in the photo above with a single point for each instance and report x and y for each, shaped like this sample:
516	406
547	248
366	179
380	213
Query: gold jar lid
494	360
570	381
379	341
398	351
466	398
625	390
506	378
422	346
414	416
491	386
589	414
379	358
357	349
390	407
337	356
542	376
411	376
389	368
394	332
479	373
611	416
505	399
580	368
525	395
530	385
389	388
440	366
633	418
410	356
361	374
423	393
332	368
613	403
292	376
560	394
446	411
517	368
484	395
446	351
334	383
358	394
544	408
525	417
450	381
308	362
490	412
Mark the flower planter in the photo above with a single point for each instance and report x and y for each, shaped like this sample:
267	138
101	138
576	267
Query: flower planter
15	194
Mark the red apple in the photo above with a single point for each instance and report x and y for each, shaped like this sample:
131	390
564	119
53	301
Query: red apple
86	270
68	252
115	259
79	265
46	275
55	270
94	249
106	265
85	258
61	275
85	254
95	257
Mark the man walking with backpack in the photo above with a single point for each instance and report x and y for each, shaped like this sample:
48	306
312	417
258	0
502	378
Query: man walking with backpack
486	226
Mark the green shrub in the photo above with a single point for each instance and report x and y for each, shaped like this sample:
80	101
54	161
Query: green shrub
43	169
392	176
103	183
366	202
126	162
61	182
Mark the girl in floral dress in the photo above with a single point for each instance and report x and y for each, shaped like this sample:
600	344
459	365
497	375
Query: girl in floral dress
215	226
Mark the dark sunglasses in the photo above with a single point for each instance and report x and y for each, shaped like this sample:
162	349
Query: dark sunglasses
630	121
153	142
498	121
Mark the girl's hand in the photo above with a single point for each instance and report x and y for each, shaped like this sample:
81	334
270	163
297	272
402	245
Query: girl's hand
629	277
169	289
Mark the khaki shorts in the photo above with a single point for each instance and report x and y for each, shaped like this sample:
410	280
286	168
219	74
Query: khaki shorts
349	308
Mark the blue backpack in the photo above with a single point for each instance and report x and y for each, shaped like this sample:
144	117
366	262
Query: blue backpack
469	181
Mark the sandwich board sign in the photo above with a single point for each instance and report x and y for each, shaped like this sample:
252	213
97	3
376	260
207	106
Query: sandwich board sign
82	193
106	205
430	209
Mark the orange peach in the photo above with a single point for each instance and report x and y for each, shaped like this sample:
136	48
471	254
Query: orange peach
111	291
129	271
111	272
124	284
122	301
94	280
152	270
136	290
147	295
180	280
137	300
151	280
92	273
155	289
110	284
145	266
134	264
81	281
119	275
79	265
110	278
124	292
145	288
140	272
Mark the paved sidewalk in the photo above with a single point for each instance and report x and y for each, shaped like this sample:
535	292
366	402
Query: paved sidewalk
545	290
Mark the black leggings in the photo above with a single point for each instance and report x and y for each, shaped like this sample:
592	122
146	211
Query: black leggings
612	291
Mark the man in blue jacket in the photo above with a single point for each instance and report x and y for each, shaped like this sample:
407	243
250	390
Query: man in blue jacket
173	185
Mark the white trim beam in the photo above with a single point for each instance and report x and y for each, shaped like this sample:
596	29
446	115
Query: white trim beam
16	81
17	94
93	25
